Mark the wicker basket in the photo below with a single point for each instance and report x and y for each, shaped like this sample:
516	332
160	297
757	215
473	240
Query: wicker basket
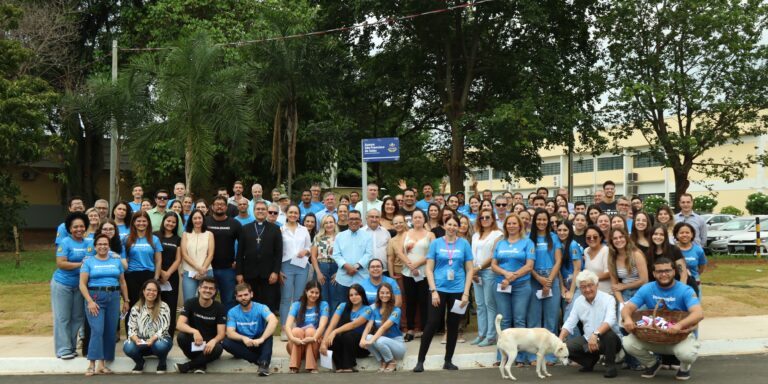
655	335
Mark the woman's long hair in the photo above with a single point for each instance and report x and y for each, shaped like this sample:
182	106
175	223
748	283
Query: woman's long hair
386	308
303	300
133	235
535	228
115	245
567	257
143	301
347	314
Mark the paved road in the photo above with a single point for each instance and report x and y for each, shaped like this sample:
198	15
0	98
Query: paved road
744	369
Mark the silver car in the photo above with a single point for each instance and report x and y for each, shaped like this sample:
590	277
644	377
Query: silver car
746	243
715	220
717	240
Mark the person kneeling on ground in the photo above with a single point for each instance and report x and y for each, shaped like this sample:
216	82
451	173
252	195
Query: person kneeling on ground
148	329
596	310
201	328
677	297
250	326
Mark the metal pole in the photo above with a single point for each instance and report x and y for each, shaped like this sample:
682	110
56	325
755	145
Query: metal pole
113	137
364	169
758	248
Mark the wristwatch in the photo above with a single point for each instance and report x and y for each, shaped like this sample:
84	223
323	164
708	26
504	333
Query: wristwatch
432	290
597	334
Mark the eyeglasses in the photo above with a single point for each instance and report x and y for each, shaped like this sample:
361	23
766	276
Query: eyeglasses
592	237
485	218
162	198
501	205
273	212
664	271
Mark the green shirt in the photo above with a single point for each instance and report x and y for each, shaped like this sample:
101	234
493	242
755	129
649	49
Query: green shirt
156	218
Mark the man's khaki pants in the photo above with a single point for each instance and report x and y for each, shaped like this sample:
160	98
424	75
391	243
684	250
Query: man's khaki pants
686	351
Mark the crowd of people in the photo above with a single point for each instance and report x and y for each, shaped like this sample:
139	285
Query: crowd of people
347	277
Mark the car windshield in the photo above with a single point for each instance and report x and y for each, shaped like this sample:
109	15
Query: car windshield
736	225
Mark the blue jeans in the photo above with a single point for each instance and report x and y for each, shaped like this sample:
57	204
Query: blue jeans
189	284
513	308
386	349
103	326
567	307
159	348
326	294
68	316
254	355
545	313
485	298
225	284
293	287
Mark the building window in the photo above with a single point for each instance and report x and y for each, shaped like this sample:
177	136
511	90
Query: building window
589	199
481	174
550	169
499	174
610	163
645	160
583	165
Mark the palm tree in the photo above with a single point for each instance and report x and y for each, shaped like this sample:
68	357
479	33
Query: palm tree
197	98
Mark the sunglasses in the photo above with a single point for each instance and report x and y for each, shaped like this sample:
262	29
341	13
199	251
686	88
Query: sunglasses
273	212
162	197
485	218
501	205
592	237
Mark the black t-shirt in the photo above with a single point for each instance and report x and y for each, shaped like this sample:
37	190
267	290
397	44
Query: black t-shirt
581	239
203	319
408	216
343	227
232	210
225	233
439	232
608	208
170	245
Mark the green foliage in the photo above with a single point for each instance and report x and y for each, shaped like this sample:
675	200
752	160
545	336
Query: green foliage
704	204
689	75
25	102
731	210
651	204
757	204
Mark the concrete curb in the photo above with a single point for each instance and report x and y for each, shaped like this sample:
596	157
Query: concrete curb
51	365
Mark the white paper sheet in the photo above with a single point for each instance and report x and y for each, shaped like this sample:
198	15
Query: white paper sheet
300	262
457	308
508	289
166	287
197	348
418	278
326	361
192	274
540	294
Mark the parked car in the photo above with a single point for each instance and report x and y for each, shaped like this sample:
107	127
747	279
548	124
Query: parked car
746	243
715	220
717	240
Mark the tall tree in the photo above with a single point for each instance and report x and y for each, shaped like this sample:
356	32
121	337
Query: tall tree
689	75
196	97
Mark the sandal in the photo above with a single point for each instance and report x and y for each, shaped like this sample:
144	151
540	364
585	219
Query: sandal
90	371
314	371
408	337
105	371
294	370
391	367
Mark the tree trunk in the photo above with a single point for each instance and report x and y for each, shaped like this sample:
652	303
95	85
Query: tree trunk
276	147
681	184
188	164
456	161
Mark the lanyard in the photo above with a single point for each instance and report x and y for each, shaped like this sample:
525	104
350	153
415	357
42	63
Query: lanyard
450	251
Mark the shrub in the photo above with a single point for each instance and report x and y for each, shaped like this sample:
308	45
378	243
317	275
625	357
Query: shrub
731	210
757	203
704	204
653	203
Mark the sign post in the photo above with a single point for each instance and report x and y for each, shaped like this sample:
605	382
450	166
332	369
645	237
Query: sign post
375	151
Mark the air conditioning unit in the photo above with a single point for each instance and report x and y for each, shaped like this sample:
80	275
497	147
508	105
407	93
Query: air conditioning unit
631	177
28	175
631	190
587	191
555	181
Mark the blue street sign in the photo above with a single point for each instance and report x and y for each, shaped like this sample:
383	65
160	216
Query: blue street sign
381	149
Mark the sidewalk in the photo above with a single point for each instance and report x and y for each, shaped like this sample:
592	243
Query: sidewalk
34	355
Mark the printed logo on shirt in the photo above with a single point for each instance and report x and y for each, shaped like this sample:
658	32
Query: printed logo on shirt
60	249
208	318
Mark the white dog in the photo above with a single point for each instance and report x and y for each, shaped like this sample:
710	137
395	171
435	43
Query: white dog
533	340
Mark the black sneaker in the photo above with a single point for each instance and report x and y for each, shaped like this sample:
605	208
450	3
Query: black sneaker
264	369
449	366
138	368
419	367
610	372
683	375
161	369
651	371
199	371
180	368
586	369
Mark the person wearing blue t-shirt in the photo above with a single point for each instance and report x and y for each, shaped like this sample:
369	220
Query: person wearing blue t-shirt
677	297
143	250
449	273
513	257
694	256
375	279
346	329
102	284
304	326
544	306
66	298
250	326
75	205
428	199
382	335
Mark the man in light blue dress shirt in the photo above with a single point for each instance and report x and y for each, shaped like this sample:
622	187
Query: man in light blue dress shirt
352	249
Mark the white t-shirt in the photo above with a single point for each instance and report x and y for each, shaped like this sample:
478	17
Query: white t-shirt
482	249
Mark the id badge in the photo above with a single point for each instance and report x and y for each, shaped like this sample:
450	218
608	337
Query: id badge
451	275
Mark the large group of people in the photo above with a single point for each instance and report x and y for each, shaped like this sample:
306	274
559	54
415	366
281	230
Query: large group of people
342	282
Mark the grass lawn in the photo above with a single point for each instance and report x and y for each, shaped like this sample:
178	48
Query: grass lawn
732	287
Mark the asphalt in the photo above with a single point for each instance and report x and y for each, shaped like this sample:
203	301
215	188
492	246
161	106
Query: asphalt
34	355
741	369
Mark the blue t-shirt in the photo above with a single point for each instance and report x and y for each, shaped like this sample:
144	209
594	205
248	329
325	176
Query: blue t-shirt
449	258
303	211
311	316
75	251
103	273
250	324
694	257
378	321
423	204
135	207
245	221
575	252
371	289
471	216
61	234
364	311
513	256
464	210
545	257
141	256
680	297
123	231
